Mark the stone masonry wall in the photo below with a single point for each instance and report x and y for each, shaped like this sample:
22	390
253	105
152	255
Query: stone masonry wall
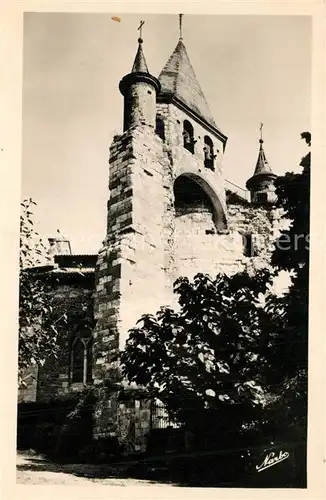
28	393
263	223
198	248
134	113
192	241
130	278
54	375
184	162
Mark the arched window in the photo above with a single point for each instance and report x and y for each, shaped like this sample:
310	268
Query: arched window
160	128
188	136
81	360
209	153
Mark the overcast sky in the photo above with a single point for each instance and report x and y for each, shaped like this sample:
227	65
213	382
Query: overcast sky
252	69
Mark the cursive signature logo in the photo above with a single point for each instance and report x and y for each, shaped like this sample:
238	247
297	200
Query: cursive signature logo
272	459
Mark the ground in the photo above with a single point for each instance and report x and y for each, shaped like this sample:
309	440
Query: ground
34	469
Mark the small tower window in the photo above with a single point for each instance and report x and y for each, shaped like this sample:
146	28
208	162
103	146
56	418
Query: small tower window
81	360
160	128
248	246
188	137
209	153
261	197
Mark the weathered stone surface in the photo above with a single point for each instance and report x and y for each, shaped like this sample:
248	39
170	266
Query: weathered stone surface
167	217
153	238
54	376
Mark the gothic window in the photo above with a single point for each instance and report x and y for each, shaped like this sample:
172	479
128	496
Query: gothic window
188	137
81	360
160	128
209	153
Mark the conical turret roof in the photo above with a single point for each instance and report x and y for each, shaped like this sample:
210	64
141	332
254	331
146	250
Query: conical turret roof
262	165
262	168
139	72
178	79
140	65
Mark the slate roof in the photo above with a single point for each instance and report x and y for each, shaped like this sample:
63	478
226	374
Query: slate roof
262	169
178	79
68	264
262	165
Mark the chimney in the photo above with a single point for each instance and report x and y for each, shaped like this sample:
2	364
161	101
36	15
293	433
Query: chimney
59	246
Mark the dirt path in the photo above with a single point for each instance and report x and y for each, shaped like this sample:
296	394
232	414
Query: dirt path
36	470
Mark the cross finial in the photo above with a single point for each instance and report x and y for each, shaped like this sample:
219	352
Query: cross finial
261	132
180	26
140	28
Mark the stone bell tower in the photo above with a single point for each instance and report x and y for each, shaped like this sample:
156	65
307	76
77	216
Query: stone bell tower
166	213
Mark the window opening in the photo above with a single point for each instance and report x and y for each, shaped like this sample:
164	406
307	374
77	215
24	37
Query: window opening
248	245
81	360
209	153
188	137
261	197
160	128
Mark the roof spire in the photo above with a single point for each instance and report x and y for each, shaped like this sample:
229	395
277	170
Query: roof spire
261	183
262	166
140	65
140	28
261	133
180	26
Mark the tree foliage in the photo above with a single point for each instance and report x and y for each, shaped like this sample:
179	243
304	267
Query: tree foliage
209	355
38	324
293	195
227	353
287	359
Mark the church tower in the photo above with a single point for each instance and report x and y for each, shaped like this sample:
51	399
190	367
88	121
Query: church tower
261	184
166	213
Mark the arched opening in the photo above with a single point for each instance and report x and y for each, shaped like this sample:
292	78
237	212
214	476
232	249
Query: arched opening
160	128
192	194
189	197
188	137
81	359
209	152
199	221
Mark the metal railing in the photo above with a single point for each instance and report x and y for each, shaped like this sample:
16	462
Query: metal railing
234	188
160	418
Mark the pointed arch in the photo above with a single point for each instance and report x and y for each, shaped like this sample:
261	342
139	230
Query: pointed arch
81	358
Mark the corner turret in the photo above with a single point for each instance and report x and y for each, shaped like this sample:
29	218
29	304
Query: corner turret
261	184
139	89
